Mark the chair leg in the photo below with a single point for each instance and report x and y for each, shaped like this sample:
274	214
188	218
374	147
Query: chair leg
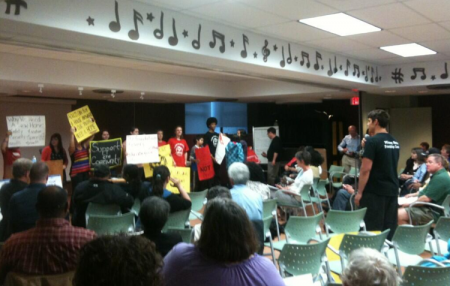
272	251
276	222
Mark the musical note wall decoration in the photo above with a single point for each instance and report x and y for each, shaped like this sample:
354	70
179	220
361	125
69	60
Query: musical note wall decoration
196	43
305	55
419	70
330	71
346	69
289	59
221	37
335	70
159	33
150	17
18	4
371	75
318	57
356	68
366	73
265	51
173	40
114	26
134	34
185	33
245	43
283	61
445	74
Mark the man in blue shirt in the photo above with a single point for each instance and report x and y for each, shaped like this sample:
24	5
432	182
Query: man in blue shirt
250	201
22	207
350	147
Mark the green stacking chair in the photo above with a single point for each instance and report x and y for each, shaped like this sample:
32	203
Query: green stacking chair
304	195
427	276
111	224
442	235
345	221
197	200
136	207
270	209
177	219
267	234
186	233
98	209
321	195
335	172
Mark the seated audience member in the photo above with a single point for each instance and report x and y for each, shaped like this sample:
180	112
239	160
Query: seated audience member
119	261
242	134
445	151
10	155
411	167
343	197
257	181
55	150
234	152
250	201
368	267
316	161
291	169
100	191
425	146
303	161
419	175
21	176
52	247
22	206
153	215
435	192
161	177
224	255
134	186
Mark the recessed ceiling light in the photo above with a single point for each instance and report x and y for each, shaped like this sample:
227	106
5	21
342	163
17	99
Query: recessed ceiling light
389	91
340	24
409	50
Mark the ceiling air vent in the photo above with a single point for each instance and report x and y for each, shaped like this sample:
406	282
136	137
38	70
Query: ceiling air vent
106	91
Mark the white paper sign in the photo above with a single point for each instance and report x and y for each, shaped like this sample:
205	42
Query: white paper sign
261	142
142	149
2	182
27	131
54	180
220	150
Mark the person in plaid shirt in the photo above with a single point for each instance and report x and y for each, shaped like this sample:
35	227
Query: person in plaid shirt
52	247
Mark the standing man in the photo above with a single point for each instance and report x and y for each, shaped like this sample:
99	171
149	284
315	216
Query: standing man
350	147
211	139
273	155
378	180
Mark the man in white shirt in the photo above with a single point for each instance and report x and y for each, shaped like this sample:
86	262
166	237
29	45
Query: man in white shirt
306	178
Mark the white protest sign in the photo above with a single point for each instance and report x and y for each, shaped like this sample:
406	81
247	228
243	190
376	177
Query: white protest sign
54	180
27	131
142	149
220	150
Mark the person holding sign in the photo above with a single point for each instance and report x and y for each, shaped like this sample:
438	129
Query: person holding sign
55	150
179	148
160	134
105	135
212	140
161	178
79	153
133	131
10	155
194	161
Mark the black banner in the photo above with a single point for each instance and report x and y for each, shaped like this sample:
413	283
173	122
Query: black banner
108	152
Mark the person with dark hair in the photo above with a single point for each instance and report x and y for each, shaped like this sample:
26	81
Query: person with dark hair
196	184
79	154
179	148
234	152
316	161
55	151
124	260
256	182
419	176
50	248
22	206
153	215
10	155
224	255
305	178
242	134
21	176
160	134
133	131
445	151
161	177
291	169
133	185
435	192
273	155
378	179
425	146
105	135
211	139
411	166
350	147
100	191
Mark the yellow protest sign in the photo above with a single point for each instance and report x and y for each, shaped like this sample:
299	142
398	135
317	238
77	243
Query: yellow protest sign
164	151
184	175
165	158
83	122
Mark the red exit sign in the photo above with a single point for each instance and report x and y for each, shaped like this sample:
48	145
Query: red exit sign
354	100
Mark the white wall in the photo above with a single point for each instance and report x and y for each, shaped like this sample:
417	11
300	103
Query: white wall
55	112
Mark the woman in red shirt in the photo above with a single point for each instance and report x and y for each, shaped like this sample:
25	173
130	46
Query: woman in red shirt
55	150
179	147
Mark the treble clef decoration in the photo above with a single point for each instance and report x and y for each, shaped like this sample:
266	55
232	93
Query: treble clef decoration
265	51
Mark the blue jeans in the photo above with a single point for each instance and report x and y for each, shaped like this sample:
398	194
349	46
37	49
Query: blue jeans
341	200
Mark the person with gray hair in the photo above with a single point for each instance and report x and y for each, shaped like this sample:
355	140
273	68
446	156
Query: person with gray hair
154	214
21	176
250	201
368	267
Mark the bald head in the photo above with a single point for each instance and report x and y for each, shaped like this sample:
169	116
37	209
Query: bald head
52	202
352	131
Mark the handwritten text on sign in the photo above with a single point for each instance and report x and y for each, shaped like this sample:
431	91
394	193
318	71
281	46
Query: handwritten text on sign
83	122
107	152
142	149
184	175
26	131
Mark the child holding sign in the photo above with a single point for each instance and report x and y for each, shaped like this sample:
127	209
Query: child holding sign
194	161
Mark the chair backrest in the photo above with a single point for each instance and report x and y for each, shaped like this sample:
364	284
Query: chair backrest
186	233
315	182
411	239
136	208
301	228
321	189
336	169
352	242
98	209
426	276
107	224
16	279
177	219
267	221
304	193
345	221
446	205
197	200
299	259
443	228
269	207
353	172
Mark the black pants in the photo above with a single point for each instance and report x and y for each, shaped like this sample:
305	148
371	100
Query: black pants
381	212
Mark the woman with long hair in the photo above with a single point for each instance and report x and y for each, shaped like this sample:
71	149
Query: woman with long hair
179	147
133	184
420	172
55	150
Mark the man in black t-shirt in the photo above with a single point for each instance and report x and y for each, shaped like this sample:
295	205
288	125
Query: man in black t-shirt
211	138
378	181
273	156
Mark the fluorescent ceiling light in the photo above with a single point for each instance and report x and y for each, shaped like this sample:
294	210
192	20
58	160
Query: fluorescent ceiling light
340	24
409	50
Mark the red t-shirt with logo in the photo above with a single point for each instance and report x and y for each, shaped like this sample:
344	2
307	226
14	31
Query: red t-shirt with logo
178	148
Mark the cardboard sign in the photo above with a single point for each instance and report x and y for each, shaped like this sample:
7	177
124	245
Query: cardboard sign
83	122
184	175
205	166
220	151
107	152
27	131
142	149
165	158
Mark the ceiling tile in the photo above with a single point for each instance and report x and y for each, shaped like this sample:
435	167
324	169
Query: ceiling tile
442	46
419	33
394	61
436	10
296	32
370	54
292	9
338	44
379	39
446	25
347	5
237	14
389	16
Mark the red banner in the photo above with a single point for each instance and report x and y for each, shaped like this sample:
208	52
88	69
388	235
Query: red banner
205	167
